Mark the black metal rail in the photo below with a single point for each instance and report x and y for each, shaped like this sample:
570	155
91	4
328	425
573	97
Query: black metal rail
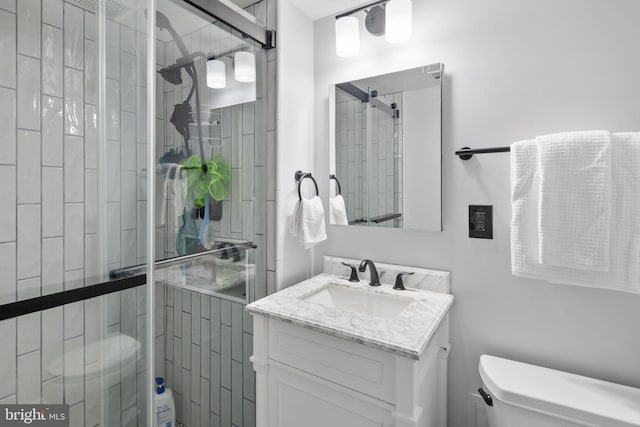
46	302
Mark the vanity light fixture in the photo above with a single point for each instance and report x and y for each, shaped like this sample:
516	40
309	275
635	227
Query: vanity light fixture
216	74
347	36
399	23
244	64
392	18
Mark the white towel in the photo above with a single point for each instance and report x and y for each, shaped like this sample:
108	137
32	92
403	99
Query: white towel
170	184
624	240
574	206
307	222
337	211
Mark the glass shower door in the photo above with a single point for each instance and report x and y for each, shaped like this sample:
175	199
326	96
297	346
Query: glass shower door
73	201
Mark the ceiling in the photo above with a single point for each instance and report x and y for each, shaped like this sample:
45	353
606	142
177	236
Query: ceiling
316	9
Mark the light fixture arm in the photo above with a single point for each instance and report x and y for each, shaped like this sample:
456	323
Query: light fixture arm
361	8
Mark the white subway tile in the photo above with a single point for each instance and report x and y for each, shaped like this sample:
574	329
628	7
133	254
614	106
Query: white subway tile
128	40
29	378
90	137
28	241
28	169
29	324
28	93
8	273
91	72
7	125
73	236
52	202
52	131
129	146
73	102
93	322
128	82
73	359
52	68
113	232
112	60
90	201
52	265
73	317
52	12
29	24
7	48
128	247
129	204
113	109
113	171
93	399
52	390
9	5
8	358
90	25
52	342
73	36
73	169
91	257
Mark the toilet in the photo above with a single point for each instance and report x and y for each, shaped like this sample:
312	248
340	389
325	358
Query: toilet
522	395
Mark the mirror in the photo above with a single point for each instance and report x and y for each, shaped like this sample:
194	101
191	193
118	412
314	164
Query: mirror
386	150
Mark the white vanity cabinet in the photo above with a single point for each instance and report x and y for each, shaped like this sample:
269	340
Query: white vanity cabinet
306	378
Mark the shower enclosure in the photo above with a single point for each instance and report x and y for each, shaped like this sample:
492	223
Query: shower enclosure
134	205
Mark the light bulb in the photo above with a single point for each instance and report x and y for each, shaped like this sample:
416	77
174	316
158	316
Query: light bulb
347	36
216	74
244	67
398	16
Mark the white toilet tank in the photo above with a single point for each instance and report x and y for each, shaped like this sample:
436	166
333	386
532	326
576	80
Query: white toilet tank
523	395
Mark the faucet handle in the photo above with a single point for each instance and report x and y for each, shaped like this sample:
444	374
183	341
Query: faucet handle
399	286
354	274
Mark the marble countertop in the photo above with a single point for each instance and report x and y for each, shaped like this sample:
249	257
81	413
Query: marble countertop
406	335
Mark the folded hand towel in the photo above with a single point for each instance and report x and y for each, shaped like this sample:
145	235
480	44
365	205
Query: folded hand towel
624	239
338	211
308	223
574	206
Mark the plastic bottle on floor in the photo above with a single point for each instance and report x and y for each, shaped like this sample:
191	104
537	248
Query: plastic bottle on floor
164	405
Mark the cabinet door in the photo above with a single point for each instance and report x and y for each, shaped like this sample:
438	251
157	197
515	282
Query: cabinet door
297	399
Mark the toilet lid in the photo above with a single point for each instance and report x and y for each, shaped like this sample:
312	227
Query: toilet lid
574	397
115	351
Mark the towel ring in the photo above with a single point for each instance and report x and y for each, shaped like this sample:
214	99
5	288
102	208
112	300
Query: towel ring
333	177
300	176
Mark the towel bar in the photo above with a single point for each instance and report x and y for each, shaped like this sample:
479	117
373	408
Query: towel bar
465	153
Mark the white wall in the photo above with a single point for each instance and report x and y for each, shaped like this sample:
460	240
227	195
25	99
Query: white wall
514	70
295	134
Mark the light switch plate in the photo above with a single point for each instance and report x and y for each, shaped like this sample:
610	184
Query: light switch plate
481	221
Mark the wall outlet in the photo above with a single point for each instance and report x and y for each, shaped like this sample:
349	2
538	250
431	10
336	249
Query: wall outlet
481	221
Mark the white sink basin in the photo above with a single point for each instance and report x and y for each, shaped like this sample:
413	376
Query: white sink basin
360	301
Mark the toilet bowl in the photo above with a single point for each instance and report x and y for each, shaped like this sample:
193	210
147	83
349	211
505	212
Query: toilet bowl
116	353
522	395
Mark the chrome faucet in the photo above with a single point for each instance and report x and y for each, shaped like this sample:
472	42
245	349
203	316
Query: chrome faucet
373	273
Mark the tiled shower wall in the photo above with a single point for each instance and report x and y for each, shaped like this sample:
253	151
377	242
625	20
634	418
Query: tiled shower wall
209	339
351	161
49	185
369	139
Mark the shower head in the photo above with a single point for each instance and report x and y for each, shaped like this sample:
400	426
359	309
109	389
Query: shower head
172	74
162	21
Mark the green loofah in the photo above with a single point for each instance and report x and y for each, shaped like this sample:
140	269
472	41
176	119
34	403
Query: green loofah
214	182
